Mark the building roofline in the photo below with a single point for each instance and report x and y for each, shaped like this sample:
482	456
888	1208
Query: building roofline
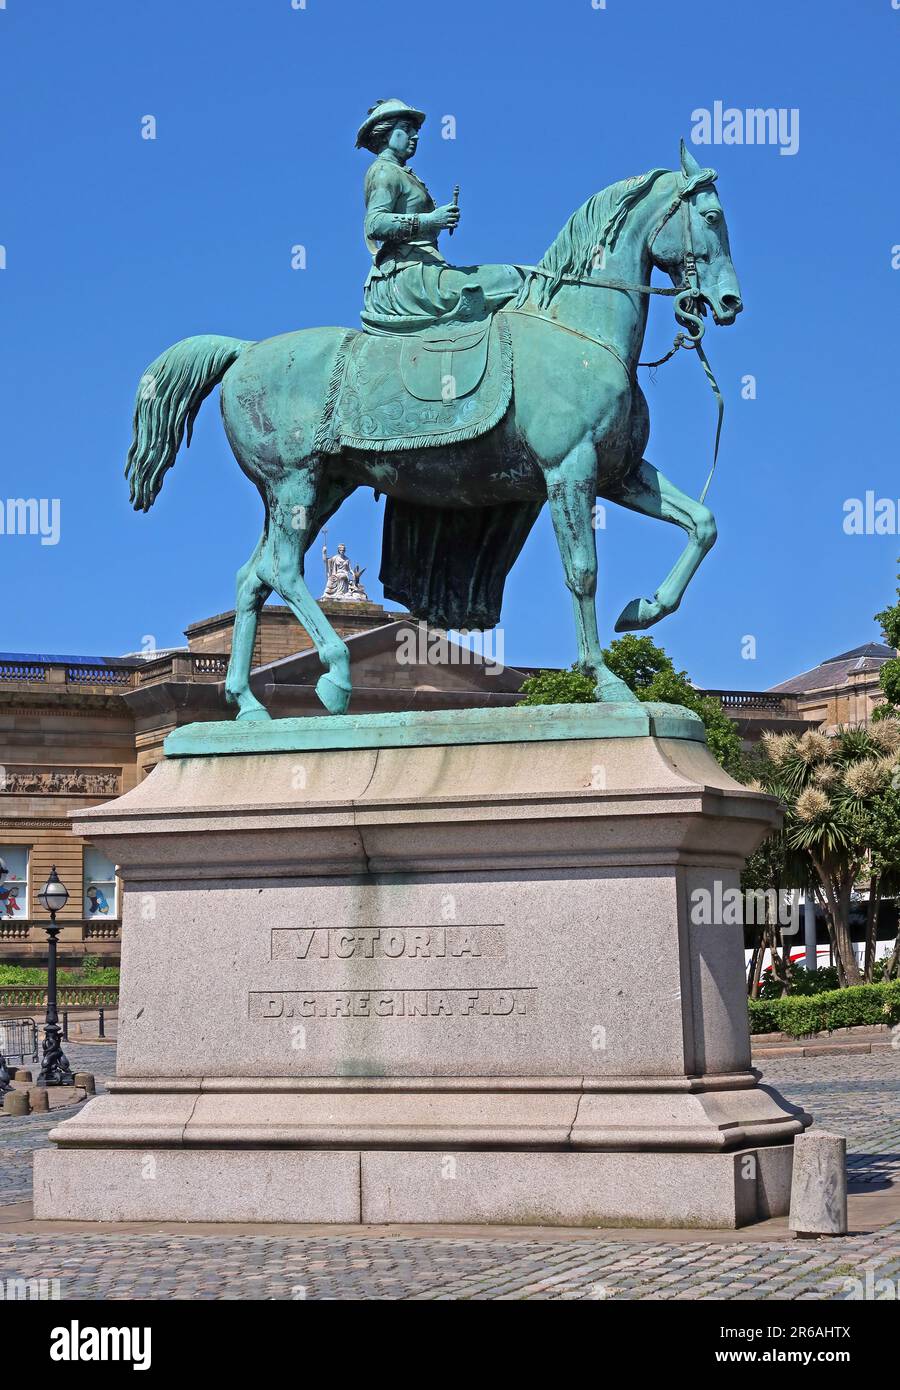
54	659
379	639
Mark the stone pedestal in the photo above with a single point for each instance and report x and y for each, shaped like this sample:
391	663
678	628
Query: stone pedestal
438	968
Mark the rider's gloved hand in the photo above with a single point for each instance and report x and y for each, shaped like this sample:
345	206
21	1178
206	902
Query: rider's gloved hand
442	219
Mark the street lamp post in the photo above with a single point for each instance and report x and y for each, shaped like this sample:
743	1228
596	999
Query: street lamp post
4	1065
55	1069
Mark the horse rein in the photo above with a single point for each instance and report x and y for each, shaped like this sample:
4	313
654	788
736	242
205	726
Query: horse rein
689	293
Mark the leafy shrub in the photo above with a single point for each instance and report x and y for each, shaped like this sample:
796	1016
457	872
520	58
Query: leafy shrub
852	1007
764	1016
37	975
805	982
558	688
651	674
800	981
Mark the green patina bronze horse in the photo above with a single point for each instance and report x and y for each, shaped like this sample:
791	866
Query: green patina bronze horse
458	514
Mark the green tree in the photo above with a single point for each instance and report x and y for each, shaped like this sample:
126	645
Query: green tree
883	838
775	865
638	661
839	793
651	674
558	688
889	676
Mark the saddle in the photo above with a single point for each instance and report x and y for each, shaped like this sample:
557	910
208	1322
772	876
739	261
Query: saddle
451	361
417	390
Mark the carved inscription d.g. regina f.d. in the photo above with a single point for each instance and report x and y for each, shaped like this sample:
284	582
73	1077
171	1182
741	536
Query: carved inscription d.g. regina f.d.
412	947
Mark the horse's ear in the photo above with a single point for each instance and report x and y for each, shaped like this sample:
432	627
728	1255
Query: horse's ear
689	166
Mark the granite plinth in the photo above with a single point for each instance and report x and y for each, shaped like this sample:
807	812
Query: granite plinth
393	1187
407	951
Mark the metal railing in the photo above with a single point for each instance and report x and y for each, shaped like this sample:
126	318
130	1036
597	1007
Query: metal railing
68	996
101	1033
18	1038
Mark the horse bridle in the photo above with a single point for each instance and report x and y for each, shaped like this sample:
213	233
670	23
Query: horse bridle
691	295
686	296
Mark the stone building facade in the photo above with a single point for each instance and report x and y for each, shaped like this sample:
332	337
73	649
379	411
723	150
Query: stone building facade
77	731
66	742
842	690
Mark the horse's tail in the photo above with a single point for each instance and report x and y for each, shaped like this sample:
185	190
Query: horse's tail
170	393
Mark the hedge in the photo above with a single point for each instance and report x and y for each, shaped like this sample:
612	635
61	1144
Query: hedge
37	975
821	1013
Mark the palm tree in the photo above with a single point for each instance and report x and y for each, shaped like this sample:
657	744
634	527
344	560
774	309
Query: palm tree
835	790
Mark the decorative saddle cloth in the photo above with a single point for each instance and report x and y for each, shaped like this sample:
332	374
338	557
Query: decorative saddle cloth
412	391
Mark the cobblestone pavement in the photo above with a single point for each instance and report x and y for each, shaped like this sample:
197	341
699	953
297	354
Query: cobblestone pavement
426	1268
857	1095
20	1137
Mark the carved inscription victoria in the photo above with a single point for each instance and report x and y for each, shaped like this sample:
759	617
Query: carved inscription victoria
386	943
316	948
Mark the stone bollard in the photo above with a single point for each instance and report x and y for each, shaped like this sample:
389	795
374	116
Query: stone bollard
38	1098
16	1103
85	1079
23	1074
819	1184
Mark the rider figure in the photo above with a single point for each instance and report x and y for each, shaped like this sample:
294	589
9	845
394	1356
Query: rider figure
411	286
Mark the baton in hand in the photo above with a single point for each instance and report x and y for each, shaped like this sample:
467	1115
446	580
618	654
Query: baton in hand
454	201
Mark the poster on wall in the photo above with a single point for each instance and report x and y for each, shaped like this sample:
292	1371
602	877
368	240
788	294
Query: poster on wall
99	884
14	882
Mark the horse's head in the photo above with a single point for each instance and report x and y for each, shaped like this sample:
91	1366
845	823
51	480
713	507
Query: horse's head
692	246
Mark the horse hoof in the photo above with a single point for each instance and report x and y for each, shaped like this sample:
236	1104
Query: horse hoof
257	715
334	697
612	688
639	613
248	707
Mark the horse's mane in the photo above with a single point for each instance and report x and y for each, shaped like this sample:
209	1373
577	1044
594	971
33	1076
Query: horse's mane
594	226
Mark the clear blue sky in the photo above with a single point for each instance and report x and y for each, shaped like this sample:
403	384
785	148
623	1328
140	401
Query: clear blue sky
118	246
